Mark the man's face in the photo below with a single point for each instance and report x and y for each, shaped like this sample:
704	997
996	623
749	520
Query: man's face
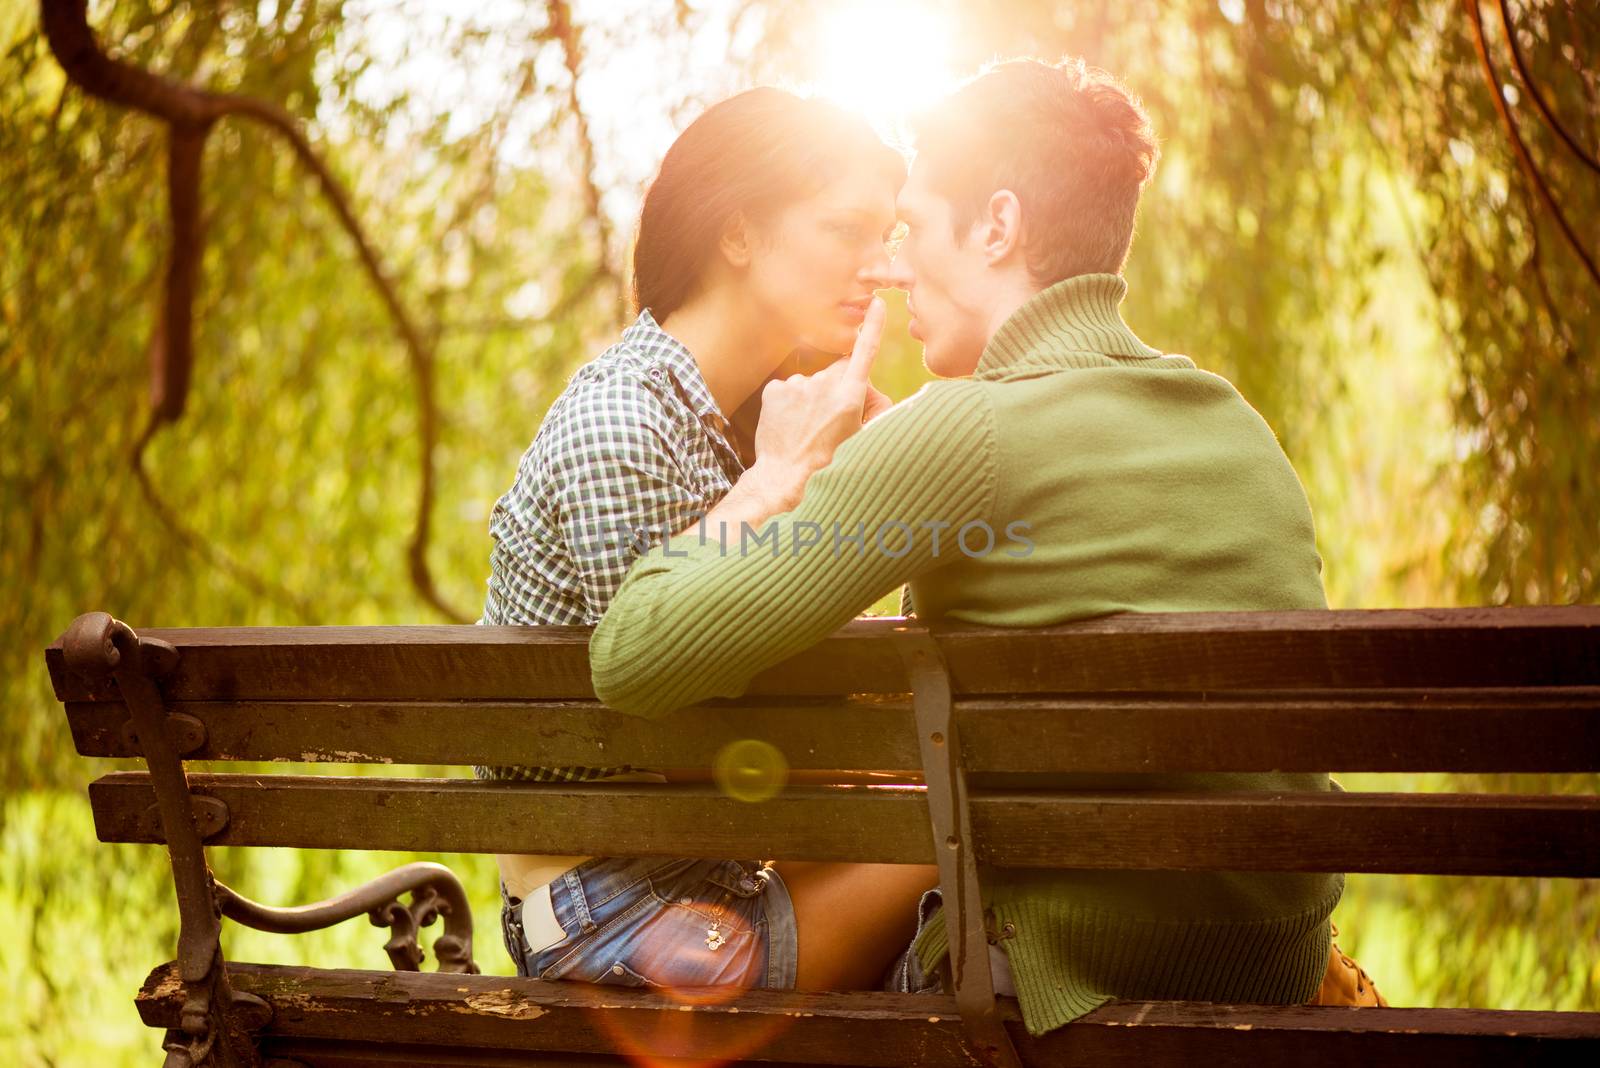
948	280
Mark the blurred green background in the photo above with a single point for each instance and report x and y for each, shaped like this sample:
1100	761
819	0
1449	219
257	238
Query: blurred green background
1338	224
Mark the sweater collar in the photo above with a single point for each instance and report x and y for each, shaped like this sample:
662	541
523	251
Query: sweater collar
1072	324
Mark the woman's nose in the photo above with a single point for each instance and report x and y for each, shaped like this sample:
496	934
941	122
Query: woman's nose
885	272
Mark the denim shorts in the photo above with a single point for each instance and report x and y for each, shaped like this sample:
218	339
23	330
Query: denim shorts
906	974
663	922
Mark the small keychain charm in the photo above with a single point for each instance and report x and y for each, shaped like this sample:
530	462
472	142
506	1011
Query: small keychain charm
714	937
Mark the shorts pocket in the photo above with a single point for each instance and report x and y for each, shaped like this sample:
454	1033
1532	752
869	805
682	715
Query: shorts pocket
702	943
619	974
678	928
710	898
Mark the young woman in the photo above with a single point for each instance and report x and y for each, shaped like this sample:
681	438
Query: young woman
763	233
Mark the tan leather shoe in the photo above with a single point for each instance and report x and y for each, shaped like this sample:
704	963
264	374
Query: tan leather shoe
1346	982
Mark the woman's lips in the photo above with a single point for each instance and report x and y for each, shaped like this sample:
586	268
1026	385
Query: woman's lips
855	310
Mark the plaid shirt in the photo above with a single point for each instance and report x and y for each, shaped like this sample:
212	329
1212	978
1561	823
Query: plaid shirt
633	450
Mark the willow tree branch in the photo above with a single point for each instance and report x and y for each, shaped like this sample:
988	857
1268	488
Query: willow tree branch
1523	155
1580	60
66	28
189	117
419	352
172	350
191	540
190	114
561	26
1537	259
1538	98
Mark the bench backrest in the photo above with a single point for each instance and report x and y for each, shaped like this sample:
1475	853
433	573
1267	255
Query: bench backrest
1467	690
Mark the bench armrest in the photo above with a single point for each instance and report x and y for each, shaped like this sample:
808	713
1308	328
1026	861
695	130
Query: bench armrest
435	892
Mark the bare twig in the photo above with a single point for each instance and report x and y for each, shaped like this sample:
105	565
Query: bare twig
1523	155
1536	259
563	29
1538	98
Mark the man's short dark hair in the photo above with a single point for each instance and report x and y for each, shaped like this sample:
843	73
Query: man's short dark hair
1069	140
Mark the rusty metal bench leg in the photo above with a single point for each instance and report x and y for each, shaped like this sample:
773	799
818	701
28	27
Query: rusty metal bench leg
217	1021
952	837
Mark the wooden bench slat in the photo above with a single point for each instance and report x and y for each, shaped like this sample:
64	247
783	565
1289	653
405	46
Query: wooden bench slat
444	663
1493	730
1439	833
335	1011
1205	651
1533	646
827	734
459	815
336	1053
1529	730
1250	1036
888	1030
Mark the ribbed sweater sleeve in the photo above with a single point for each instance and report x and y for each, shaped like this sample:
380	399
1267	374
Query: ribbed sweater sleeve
700	620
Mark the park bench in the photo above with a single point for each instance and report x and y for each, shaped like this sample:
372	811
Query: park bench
1463	690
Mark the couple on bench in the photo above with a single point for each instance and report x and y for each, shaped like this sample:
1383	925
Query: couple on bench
714	513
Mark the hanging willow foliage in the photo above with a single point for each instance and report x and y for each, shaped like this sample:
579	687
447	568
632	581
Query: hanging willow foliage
1343	223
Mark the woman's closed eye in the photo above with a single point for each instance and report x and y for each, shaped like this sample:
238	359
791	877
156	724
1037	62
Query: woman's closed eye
860	229
854	233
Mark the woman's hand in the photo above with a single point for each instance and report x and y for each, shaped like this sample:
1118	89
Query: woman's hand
805	418
878	402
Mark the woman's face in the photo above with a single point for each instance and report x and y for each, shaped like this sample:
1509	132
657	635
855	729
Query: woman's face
815	264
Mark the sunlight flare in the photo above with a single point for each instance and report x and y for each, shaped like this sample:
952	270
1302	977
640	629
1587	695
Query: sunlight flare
885	60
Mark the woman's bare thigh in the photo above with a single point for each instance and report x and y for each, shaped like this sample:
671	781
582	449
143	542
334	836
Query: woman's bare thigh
853	919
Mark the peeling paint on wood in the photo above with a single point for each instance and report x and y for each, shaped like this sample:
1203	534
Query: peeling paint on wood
504	1003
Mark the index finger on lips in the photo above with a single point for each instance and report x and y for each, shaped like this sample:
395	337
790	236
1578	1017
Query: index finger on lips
867	339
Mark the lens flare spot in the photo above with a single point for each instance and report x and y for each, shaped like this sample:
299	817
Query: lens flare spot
750	770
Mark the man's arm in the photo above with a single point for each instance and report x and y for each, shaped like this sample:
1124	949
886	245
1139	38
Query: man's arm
696	620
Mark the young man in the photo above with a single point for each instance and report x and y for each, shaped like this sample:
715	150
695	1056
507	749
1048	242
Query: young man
1071	471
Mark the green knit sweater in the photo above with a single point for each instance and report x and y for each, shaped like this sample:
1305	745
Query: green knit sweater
1113	478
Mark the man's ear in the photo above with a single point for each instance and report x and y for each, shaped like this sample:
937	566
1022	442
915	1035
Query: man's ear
736	240
1000	227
